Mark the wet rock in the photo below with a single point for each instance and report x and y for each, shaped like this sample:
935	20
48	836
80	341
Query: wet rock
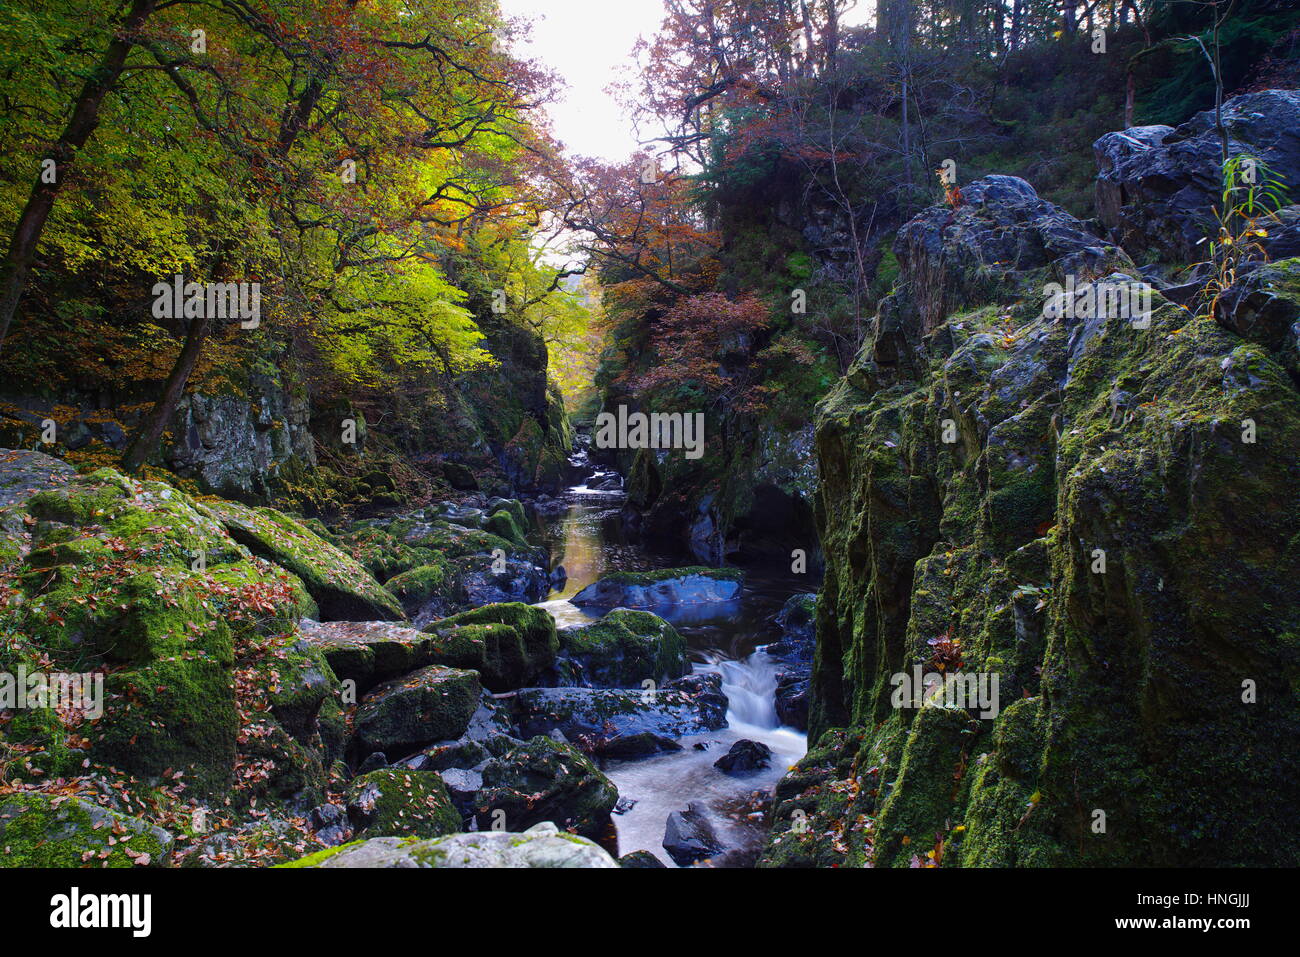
628	747
670	586
797	621
484	580
792	697
745	756
624	649
795	652
544	780
640	859
689	837
704	688
592	716
431	704
540	846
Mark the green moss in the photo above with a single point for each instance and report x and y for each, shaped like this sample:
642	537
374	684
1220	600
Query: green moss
38	830
417	586
342	588
510	643
626	648
396	802
667	574
320	857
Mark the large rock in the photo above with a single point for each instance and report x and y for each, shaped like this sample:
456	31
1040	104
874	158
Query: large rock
235	443
623	650
545	780
24	473
665	587
340	586
41	830
432	704
509	644
445	558
138	577
797	621
1264	306
745	756
957	259
689	837
1158	185
397	802
542	845
591	717
369	652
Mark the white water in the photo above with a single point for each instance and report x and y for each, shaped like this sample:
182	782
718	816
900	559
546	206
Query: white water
668	782
590	546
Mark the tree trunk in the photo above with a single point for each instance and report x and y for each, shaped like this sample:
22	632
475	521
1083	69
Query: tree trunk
832	39
151	430
293	119
85	117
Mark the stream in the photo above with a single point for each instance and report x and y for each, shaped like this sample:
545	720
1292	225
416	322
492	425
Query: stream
588	539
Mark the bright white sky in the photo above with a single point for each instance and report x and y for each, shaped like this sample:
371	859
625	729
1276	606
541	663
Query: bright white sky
589	43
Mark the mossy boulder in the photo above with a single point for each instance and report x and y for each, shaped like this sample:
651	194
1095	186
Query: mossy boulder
510	644
396	802
542	845
373	544
42	830
368	652
134	577
417	587
432	704
663	587
341	587
545	780
625	649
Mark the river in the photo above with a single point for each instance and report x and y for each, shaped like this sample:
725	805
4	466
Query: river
587	538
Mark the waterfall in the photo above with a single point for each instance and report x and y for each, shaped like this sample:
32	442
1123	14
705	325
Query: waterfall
750	687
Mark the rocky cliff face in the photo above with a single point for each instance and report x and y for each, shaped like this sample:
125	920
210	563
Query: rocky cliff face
1157	184
252	422
1101	511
